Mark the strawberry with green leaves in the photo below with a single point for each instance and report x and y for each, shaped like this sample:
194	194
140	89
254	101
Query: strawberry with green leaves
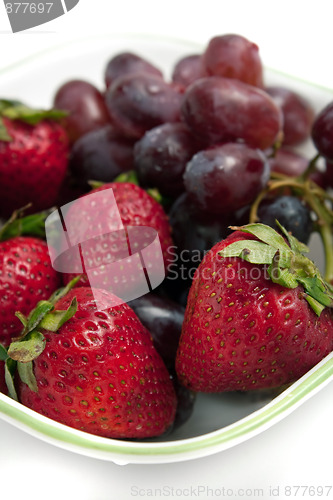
34	154
259	314
26	272
92	365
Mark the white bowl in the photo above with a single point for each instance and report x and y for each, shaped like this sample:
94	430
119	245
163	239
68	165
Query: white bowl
218	421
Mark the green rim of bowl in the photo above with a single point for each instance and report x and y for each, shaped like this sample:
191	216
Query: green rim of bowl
279	407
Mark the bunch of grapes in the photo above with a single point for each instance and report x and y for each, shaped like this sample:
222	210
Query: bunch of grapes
215	142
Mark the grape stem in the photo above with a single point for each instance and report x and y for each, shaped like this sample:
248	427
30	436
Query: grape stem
316	198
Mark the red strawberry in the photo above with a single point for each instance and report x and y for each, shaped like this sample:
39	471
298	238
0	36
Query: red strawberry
99	371
33	157
136	208
256	315
26	277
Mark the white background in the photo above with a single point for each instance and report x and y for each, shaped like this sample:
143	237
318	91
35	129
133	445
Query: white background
295	37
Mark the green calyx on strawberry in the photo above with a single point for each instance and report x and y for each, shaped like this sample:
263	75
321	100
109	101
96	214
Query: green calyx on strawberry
16	110
259	314
34	153
23	350
19	224
287	264
92	365
26	272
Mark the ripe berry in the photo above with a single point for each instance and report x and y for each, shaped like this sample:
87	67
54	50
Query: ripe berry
291	212
226	178
233	56
220	109
160	157
127	63
188	69
297	112
138	102
101	155
85	105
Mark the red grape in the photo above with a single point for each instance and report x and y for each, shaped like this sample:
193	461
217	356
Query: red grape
188	69
86	107
322	132
161	155
225	178
220	109
298	115
101	155
288	162
141	101
233	56
127	63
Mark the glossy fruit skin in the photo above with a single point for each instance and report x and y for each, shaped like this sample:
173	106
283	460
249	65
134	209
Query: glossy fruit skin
322	132
225	178
138	102
26	277
291	212
101	155
218	109
127	63
32	166
164	318
291	163
288	162
136	208
161	155
194	234
100	372
298	115
188	69
228	344
85	105
233	56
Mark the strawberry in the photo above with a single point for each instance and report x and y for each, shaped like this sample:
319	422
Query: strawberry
34	154
92	365
136	208
259	315
26	273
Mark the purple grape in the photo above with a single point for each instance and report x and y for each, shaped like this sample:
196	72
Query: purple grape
101	155
225	178
220	109
291	212
138	102
297	112
322	132
160	157
188	70
127	63
85	105
233	56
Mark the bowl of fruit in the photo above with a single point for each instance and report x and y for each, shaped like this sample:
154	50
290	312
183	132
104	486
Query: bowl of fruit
166	236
